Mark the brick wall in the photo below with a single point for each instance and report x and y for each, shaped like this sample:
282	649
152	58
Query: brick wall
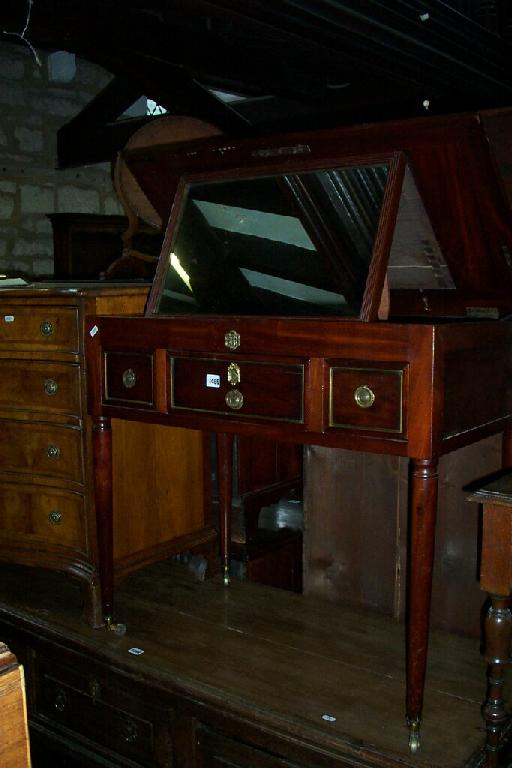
34	102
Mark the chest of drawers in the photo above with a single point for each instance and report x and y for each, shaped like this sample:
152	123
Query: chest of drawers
47	515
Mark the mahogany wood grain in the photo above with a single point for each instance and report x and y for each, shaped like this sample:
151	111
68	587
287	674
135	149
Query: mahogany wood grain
423	509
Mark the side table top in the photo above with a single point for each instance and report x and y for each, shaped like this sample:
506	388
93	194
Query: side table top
496	488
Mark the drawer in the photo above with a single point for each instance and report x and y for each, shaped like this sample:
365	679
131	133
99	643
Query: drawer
38	515
37	328
103	710
217	751
40	386
41	449
367	398
255	389
129	378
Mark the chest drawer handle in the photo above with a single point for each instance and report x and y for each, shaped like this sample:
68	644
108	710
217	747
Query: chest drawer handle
94	690
234	399
51	387
46	328
129	730
364	396
53	452
61	700
129	378
55	517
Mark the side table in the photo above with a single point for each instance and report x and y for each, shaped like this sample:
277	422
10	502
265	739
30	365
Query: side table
496	579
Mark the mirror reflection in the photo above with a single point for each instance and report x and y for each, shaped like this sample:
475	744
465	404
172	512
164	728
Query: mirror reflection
290	244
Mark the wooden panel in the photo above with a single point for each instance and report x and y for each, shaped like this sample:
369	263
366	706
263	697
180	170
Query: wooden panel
129	378
159	489
39	328
271	391
14	744
477	399
34	514
264	462
351	527
355	538
42	449
40	386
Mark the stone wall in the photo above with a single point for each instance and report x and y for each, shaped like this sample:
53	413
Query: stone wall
34	102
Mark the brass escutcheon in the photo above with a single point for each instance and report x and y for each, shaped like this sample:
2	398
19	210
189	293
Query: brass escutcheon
233	374
129	730
55	517
51	387
53	452
46	328
232	340
364	396
129	378
234	399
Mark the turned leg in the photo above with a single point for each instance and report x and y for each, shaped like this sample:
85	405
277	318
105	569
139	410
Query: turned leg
496	580
225	480
102	450
497	629
422	518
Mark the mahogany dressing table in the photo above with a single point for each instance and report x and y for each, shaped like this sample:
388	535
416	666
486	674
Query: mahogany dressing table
344	288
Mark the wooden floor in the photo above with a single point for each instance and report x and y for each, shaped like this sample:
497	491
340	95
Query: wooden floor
274	656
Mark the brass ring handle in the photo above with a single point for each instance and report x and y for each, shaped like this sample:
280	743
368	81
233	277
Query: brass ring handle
364	396
46	328
129	378
53	452
129	730
51	387
234	399
55	517
61	700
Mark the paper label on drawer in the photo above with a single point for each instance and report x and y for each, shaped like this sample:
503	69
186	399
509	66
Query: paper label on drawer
8	318
94	330
213	380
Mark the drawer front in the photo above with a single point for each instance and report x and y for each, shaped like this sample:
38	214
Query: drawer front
39	515
99	709
367	398
129	378
40	386
39	328
239	388
217	751
41	449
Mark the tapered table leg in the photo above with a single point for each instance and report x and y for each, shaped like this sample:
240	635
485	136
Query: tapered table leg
225	480
422	519
102	450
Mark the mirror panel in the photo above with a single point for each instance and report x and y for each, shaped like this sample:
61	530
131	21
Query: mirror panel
296	244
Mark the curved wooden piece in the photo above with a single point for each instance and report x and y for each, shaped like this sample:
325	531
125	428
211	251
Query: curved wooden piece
422	519
225	475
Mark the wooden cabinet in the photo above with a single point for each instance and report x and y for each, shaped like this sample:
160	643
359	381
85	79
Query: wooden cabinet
47	513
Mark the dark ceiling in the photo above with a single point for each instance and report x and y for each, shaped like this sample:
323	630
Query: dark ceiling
299	63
